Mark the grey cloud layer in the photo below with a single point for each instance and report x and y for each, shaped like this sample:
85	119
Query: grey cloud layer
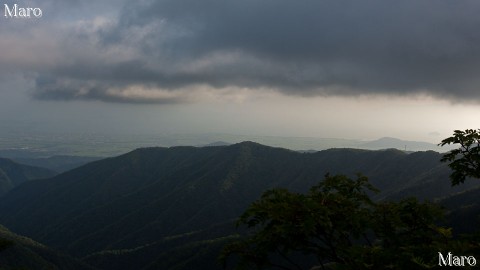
297	47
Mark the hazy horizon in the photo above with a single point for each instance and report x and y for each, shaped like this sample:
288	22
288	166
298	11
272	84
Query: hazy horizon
328	69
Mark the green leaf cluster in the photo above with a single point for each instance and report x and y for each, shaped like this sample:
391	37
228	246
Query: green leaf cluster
338	226
465	160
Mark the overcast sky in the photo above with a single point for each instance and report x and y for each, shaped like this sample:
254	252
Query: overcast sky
347	69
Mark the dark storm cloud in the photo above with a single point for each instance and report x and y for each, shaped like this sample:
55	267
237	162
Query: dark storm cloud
49	88
297	47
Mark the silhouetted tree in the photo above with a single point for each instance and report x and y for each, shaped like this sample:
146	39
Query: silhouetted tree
339	227
465	160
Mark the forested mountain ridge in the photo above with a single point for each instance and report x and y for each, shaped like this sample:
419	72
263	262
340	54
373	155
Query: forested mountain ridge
137	201
13	174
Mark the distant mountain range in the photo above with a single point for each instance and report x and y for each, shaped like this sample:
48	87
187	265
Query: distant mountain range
58	164
47	145
388	142
13	174
382	143
306	144
174	208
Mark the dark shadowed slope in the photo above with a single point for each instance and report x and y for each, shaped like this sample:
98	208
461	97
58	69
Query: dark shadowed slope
137	201
13	174
18	252
464	210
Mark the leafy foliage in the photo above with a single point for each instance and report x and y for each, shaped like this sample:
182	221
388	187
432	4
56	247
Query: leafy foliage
465	160
338	224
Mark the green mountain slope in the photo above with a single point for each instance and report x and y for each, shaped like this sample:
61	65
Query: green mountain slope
464	210
13	174
135	201
185	251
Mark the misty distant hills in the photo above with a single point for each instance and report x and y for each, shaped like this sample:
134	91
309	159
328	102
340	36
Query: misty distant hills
95	145
154	205
58	164
13	174
317	144
379	144
388	142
